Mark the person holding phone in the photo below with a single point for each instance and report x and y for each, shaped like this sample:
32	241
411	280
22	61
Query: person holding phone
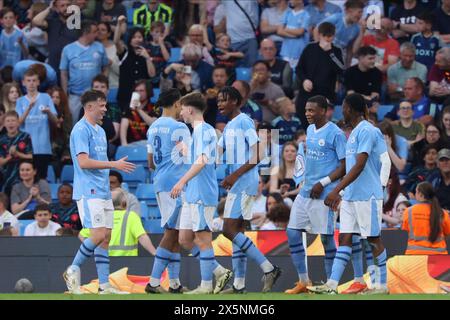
181	81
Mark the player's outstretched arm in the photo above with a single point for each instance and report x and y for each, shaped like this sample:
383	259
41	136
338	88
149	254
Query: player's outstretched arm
195	169
86	163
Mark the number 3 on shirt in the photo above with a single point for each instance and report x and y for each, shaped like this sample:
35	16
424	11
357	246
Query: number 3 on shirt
158	153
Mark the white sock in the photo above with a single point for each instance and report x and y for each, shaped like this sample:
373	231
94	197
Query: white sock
333	284
219	270
266	266
239	283
360	280
154	282
303	277
174	283
206	284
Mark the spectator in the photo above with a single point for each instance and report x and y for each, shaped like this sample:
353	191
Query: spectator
201	71
104	37
2	120
433	136
54	21
20	9
348	33
66	232
272	19
318	69
115	183
364	78
264	91
277	218
36	110
393	195
442	21
13	44
427	44
445	122
421	173
137	119
406	68
426	223
414	91
198	35
441	180
280	70
219	23
10	93
7	219
282	176
273	199
242	23
249	107
65	211
81	61
223	54
6	74
60	133
408	128
30	191
47	76
150	12
182	80
42	226
397	146
319	10
259	205
15	146
286	124
220	78
388	49
439	76
300	137
394	218
135	62
405	20
159	50
109	11
294	31
37	38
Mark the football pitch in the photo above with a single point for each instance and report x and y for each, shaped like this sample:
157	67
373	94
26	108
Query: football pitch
248	296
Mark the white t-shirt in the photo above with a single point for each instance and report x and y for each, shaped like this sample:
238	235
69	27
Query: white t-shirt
34	230
259	205
9	219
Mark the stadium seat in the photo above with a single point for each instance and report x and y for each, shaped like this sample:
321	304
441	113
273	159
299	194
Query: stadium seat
130	12
67	174
23	224
156	92
112	95
153	212
134	178
54	190
144	209
125	187
136	154
146	192
153	226
175	55
382	110
244	74
51	177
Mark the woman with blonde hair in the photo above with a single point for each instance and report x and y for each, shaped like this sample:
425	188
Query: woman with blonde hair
10	93
282	176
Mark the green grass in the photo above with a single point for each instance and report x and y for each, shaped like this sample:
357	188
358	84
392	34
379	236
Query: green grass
249	296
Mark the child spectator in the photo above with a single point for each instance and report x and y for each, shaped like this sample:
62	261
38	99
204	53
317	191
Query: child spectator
394	218
35	110
15	146
37	38
13	44
65	211
159	50
286	123
408	128
278	218
426	42
10	93
294	31
7	219
30	191
42	226
223	54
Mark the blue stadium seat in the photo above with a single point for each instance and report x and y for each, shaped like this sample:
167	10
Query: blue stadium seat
139	175
145	192
382	110
23	224
67	174
136	154
51	177
153	226
156	92
130	12
112	95
244	74
54	190
144	209
175	55
153	212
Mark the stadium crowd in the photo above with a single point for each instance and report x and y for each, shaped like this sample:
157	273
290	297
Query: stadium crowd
276	53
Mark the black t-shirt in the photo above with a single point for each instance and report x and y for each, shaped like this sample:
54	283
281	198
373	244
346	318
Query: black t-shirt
406	16
117	10
363	82
441	21
277	71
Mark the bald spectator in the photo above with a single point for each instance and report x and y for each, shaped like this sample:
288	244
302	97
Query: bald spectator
281	72
442	21
439	76
388	49
406	68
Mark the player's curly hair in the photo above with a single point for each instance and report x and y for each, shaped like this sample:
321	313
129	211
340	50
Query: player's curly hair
231	93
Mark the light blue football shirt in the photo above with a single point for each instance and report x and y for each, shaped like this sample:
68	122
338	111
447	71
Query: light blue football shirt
162	138
345	34
36	123
239	136
89	139
293	47
10	50
365	138
325	148
316	16
203	187
83	64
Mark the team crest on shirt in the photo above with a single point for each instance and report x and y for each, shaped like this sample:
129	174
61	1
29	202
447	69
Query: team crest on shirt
432	45
420	107
96	55
321	142
352	140
97	218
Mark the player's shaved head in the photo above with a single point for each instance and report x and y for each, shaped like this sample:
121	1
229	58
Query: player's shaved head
320	101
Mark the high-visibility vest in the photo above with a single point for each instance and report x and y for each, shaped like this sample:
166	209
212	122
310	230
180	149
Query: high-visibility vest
144	18
416	220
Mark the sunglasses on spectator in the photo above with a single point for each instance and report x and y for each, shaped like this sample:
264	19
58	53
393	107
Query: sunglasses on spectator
405	108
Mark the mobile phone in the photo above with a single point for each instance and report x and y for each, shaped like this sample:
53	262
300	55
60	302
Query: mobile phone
187	69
